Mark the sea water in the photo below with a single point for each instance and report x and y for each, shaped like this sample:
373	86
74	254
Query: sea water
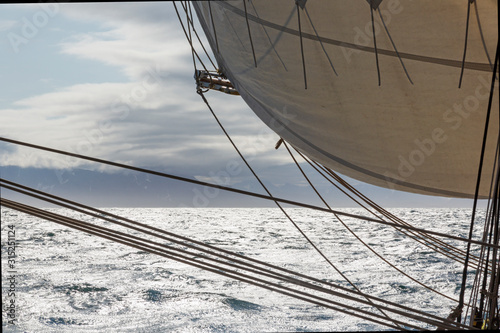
69	281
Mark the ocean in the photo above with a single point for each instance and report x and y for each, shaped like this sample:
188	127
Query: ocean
67	281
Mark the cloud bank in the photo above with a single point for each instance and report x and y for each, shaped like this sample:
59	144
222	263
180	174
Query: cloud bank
154	118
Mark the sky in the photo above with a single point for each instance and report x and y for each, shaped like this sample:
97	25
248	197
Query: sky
115	81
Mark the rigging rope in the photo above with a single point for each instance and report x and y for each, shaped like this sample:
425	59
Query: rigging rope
421	237
482	36
197	261
191	22
394	45
279	206
320	41
479	173
112	218
249	34
359	239
465	43
147	245
381	210
301	44
473	299
190	41
248	193
213	25
269	38
375	40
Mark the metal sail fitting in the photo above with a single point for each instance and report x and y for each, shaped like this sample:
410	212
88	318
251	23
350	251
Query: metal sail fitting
214	80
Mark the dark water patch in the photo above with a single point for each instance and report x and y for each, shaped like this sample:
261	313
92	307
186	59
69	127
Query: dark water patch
57	258
216	328
334	281
430	261
103	267
458	288
314	317
402	289
132	254
369	327
56	321
37	239
153	296
240	305
87	288
84	288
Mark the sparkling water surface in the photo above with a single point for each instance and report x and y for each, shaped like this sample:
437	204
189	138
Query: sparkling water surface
69	281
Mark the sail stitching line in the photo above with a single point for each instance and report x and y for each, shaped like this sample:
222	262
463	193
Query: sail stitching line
440	61
348	164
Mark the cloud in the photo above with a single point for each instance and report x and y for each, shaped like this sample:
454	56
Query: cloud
134	36
154	119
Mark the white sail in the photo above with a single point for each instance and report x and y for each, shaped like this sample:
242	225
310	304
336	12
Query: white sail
418	132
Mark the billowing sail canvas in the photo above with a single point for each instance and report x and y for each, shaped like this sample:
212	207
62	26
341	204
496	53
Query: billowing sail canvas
369	91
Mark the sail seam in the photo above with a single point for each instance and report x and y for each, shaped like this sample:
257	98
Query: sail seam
439	61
